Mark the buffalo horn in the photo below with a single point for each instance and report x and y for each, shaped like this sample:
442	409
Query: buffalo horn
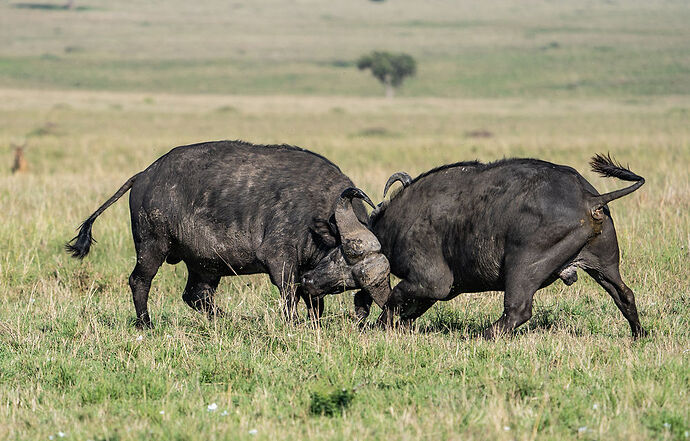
357	241
401	177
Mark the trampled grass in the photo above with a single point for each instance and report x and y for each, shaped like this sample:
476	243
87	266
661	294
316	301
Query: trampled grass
95	95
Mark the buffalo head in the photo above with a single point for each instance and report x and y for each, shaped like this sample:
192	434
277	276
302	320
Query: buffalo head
356	263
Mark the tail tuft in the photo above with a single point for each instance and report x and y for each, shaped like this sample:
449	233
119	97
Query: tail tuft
608	167
80	245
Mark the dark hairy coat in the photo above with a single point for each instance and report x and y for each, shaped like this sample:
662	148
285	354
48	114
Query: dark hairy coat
514	225
228	208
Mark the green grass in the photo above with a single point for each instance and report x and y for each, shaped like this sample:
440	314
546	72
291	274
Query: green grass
97	93
71	361
526	72
309	48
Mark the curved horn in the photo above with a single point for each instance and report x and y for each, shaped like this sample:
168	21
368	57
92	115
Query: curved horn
362	251
357	241
353	192
401	177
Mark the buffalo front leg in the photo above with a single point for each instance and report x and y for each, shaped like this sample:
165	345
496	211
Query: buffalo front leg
410	311
430	280
199	294
363	301
410	300
315	307
402	292
283	276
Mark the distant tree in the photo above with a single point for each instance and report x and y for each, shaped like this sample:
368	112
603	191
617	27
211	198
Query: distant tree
390	69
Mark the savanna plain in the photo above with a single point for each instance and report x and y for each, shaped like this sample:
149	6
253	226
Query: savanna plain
97	92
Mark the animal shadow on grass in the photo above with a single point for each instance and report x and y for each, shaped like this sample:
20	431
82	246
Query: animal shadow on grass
466	328
440	322
446	321
548	320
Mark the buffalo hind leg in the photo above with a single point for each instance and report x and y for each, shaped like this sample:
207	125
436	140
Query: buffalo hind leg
140	282
526	272
610	279
602	257
199	294
517	306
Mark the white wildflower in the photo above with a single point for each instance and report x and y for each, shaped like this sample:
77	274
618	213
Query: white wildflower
506	428
140	337
162	412
253	432
212	407
595	406
61	434
582	429
225	413
667	425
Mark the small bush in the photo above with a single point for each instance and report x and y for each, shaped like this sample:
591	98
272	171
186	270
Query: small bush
227	109
330	402
375	132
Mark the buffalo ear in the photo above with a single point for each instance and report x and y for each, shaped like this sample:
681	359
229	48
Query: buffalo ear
324	232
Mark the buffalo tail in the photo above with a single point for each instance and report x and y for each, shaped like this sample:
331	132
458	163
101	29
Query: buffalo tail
607	167
80	245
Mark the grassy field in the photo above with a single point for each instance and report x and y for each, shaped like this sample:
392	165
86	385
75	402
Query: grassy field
98	93
308	47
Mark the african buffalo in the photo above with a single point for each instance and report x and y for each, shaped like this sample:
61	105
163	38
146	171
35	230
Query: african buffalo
229	208
514	225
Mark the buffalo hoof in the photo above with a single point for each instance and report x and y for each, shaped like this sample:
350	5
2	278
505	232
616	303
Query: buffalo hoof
639	333
144	323
493	332
216	313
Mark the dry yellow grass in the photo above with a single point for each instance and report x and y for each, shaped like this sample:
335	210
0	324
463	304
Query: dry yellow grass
71	361
98	93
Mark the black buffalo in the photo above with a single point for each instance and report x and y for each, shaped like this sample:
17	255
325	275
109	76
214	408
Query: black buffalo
514	225
229	208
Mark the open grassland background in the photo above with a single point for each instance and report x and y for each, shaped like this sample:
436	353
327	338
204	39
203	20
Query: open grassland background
475	49
95	93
